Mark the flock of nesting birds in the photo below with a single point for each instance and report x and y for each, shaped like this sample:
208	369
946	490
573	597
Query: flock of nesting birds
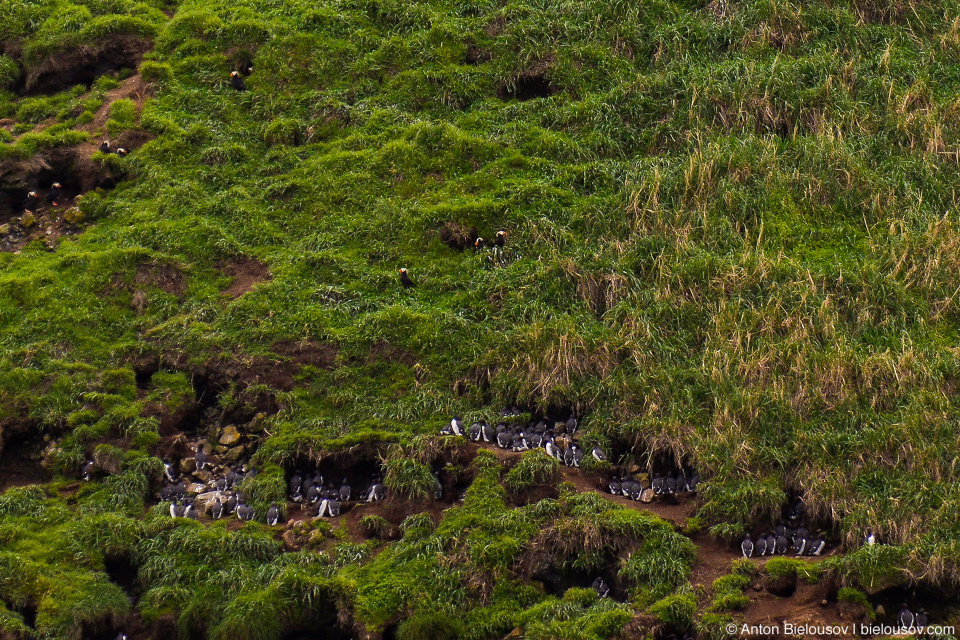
556	438
789	536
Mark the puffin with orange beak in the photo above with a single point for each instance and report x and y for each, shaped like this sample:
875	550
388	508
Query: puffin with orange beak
405	279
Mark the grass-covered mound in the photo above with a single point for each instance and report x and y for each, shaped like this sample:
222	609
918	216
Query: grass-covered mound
731	242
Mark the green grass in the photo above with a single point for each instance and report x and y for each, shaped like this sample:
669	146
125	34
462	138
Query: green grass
733	239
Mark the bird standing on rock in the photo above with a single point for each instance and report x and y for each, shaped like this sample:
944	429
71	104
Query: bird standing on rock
237	82
200	458
405	279
217	510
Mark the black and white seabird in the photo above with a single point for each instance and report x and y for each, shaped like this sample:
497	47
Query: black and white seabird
571	425
217	509
747	547
815	547
657	485
771	544
553	450
376	492
501	239
104	147
921	620
191	512
295	486
31	201
437	488
86	471
237	82
121	636
479	244
405	279
220	484
231	506
761	546
245	512
344	494
505	439
870	539
601	587
200	458
905	617
53	195
121	152
313	494
475	432
782	544
168	471
273	515
176	509
799	546
598	453
486	431
614	487
456	427
333	507
568	456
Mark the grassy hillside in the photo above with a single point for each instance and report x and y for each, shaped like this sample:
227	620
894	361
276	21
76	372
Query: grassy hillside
733	236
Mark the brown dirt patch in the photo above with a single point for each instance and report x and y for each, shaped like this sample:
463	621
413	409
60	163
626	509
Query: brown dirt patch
133	88
166	277
386	351
246	273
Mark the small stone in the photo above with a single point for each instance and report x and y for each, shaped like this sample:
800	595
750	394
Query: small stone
73	215
4	229
230	436
27	220
203	475
204	501
187	465
196	488
235	454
